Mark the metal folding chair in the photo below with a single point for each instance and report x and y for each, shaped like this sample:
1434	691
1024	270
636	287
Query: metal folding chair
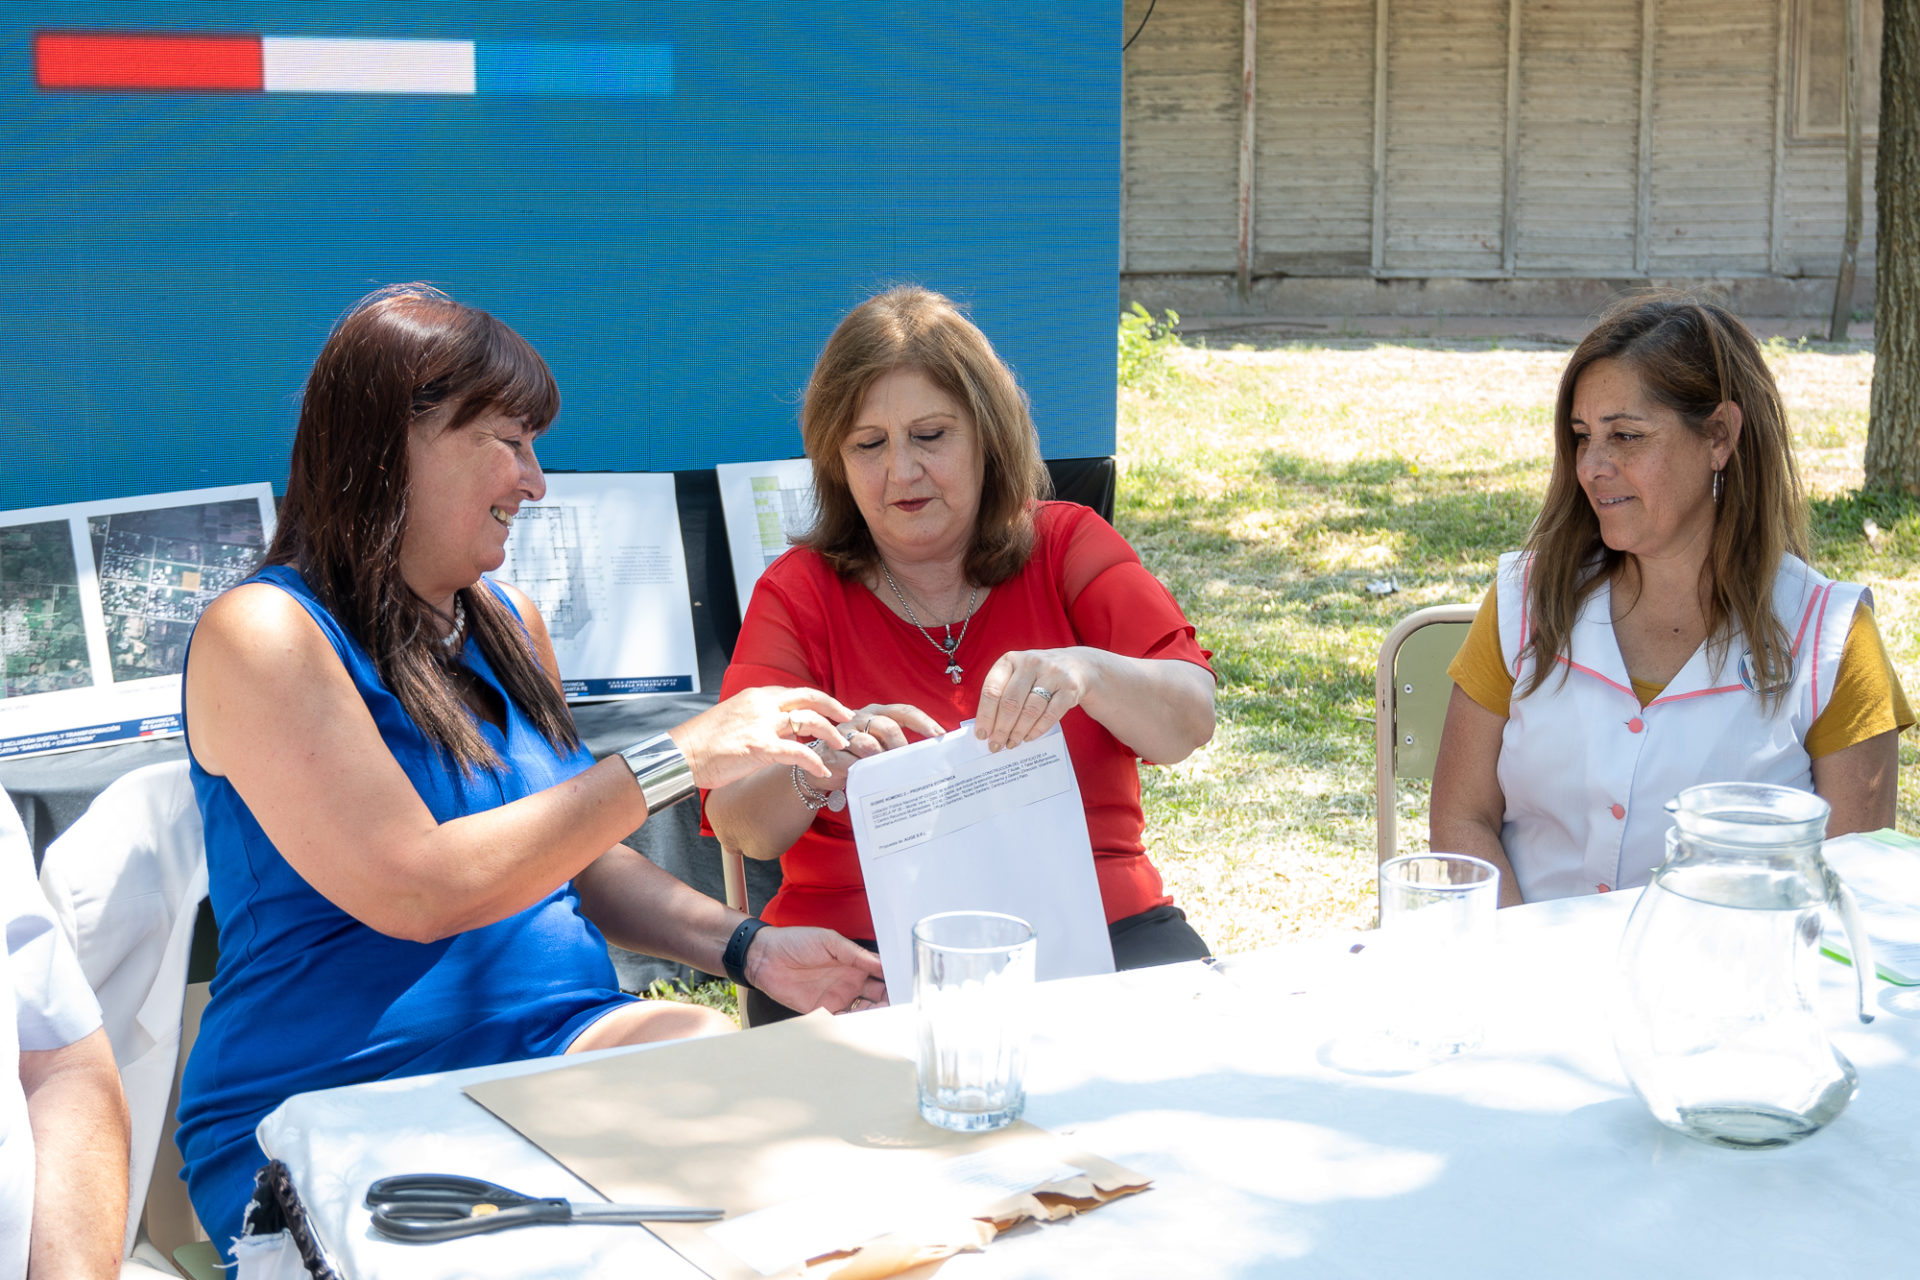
1411	689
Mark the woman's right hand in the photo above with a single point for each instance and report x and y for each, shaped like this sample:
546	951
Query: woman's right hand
760	727
876	727
761	815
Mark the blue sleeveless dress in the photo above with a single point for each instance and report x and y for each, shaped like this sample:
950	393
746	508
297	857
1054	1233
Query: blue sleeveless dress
306	997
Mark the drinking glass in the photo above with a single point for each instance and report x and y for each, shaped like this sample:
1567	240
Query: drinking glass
972	983
1436	935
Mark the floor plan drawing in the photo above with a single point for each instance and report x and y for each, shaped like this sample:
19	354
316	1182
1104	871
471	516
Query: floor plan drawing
601	558
547	558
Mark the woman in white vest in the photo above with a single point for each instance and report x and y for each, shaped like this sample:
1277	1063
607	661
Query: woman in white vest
1661	628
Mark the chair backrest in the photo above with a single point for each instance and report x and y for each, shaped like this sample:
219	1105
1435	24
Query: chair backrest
168	1219
128	881
1411	689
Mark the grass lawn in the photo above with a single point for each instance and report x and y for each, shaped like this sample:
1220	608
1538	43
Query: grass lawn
1267	487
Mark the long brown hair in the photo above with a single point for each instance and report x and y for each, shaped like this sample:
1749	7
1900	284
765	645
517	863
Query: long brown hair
399	355
1692	357
913	328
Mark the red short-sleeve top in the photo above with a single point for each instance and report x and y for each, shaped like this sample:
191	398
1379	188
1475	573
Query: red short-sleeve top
1083	585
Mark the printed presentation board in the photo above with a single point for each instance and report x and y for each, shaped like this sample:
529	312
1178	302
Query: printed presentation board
767	505
600	556
98	601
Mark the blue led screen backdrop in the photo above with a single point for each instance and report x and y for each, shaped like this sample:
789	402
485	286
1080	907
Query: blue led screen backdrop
674	202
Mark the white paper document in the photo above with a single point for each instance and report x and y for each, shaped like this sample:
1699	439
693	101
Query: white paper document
775	1238
1883	870
601	558
97	602
766	505
946	825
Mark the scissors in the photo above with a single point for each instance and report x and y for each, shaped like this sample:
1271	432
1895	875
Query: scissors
445	1206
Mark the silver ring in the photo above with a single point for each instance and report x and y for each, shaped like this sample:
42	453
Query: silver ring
1044	693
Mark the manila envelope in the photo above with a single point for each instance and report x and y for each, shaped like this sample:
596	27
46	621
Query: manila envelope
772	1116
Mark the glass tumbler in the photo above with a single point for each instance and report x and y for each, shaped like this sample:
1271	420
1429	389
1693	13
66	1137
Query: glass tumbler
972	987
1436	930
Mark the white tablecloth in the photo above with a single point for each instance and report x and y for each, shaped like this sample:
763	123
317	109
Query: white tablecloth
1234	1091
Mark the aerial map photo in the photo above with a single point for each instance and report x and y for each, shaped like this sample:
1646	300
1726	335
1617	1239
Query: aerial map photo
43	639
159	568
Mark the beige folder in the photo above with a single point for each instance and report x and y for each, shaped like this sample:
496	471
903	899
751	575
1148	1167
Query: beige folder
771	1116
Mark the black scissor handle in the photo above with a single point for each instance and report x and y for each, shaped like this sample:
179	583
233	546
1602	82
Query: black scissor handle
412	1188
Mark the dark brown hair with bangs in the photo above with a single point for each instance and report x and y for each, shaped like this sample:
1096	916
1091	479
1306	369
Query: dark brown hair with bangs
401	355
1692	357
913	328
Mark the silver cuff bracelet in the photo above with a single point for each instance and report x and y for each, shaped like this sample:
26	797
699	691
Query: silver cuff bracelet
663	773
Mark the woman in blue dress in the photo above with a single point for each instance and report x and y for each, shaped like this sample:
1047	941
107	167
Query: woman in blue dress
414	864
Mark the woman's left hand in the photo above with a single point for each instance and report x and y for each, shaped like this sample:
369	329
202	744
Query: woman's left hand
807	968
1160	707
1028	691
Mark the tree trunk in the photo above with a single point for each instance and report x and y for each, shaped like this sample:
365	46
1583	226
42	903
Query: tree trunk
1893	431
1850	245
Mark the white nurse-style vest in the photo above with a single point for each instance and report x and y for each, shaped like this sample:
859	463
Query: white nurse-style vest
1587	772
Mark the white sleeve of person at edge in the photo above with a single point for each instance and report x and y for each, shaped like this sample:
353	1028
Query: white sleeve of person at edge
946	825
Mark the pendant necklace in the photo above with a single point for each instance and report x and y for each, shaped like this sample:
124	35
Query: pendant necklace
950	642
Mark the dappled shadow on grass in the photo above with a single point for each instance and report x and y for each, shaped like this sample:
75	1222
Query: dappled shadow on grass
1291	468
1316	473
1858	534
1284	602
1841	511
1437	521
1276	696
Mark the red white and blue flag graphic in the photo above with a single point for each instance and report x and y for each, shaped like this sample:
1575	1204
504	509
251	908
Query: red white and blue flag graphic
122	62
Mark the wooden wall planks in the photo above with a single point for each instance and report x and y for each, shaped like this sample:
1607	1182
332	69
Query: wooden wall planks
1727	194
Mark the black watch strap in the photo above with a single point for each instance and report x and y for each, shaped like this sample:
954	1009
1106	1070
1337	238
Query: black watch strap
734	958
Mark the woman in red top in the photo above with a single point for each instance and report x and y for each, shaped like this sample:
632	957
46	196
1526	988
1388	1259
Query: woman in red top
937	585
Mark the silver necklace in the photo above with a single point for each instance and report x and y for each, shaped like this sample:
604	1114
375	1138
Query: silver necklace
458	632
951	641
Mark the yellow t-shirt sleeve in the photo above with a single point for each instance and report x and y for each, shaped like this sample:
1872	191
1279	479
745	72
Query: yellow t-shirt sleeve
1478	668
1867	698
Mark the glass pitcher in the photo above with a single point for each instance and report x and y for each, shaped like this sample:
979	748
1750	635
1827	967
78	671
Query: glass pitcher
1713	1015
